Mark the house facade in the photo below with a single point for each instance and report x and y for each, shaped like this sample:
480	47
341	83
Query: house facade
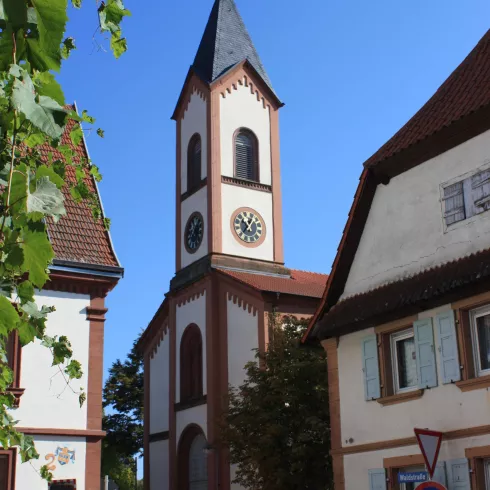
230	271
405	317
67	436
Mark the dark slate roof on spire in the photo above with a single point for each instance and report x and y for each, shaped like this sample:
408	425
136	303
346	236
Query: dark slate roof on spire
225	43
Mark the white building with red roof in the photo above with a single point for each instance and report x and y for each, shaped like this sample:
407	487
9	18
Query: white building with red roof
230	271
68	437
405	317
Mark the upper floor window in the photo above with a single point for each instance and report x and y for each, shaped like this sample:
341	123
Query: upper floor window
404	360
246	155
191	364
480	322
194	162
466	198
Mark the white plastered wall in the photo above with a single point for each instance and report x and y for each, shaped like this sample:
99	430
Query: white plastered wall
234	197
195	415
159	465
192	312
241	109
27	476
442	408
357	466
159	388
194	121
197	202
47	402
404	232
243	337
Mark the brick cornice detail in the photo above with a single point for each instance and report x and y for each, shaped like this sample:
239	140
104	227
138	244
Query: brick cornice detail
158	339
80	283
242	79
246	183
237	300
95	314
191	294
195	87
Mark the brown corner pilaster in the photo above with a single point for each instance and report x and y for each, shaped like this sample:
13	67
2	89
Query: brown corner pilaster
96	316
331	348
172	428
178	192
146	422
214	174
276	185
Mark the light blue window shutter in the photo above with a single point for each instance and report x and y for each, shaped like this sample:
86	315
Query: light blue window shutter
377	479
448	347
458	474
424	349
440	474
370	367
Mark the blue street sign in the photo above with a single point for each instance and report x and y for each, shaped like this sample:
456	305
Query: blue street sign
413	477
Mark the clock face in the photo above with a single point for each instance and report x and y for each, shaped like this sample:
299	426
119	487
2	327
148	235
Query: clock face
194	232
249	226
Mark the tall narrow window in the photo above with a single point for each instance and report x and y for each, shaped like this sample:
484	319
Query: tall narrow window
246	155
194	162
191	364
198	464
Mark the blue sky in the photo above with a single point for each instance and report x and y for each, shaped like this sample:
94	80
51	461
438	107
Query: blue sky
351	72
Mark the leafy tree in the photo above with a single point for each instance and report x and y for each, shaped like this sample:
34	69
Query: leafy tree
277	424
123	395
33	181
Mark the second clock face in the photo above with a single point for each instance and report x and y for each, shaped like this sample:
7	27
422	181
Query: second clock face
249	226
194	232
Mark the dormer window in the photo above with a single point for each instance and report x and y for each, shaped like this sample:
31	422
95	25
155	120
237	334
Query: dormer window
246	155
194	162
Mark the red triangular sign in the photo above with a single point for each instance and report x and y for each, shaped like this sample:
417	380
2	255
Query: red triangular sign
430	444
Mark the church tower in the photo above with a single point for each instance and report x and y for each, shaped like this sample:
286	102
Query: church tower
230	273
228	166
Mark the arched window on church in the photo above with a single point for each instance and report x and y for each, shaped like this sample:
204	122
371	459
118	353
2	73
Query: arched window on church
194	162
246	155
191	364
192	459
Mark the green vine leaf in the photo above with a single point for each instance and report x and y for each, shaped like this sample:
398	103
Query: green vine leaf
67	47
8	316
81	399
74	370
25	291
38	254
46	199
48	86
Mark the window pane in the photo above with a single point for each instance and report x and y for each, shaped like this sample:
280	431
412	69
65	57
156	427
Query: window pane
483	330
407	367
4	468
454	208
198	465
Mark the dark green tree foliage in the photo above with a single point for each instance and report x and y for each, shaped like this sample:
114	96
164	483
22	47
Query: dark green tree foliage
123	397
277	425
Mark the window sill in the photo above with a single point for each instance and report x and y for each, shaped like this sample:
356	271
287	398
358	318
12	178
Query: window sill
400	397
479	383
246	183
196	188
195	402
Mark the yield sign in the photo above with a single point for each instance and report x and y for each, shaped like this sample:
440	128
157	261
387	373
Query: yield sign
430	444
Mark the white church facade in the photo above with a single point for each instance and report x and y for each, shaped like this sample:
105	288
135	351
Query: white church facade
230	271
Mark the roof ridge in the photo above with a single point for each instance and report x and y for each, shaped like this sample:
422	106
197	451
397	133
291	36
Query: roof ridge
310	272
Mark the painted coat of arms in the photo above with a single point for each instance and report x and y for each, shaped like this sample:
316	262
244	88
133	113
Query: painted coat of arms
65	455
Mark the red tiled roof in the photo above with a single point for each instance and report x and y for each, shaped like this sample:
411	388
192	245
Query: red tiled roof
76	237
301	283
465	91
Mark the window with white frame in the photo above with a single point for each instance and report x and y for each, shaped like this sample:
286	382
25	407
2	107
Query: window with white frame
486	465
466	198
480	323
404	361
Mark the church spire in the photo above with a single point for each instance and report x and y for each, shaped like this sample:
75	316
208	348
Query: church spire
225	43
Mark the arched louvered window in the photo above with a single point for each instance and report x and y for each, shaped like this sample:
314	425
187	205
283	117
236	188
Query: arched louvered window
246	155
194	162
191	364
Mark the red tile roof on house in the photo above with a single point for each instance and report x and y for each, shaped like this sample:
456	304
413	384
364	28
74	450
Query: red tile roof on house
465	91
77	237
300	283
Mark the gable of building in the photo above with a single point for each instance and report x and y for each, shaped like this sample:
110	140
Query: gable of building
445	142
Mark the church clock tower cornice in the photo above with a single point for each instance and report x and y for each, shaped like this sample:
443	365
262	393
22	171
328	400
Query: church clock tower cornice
228	200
